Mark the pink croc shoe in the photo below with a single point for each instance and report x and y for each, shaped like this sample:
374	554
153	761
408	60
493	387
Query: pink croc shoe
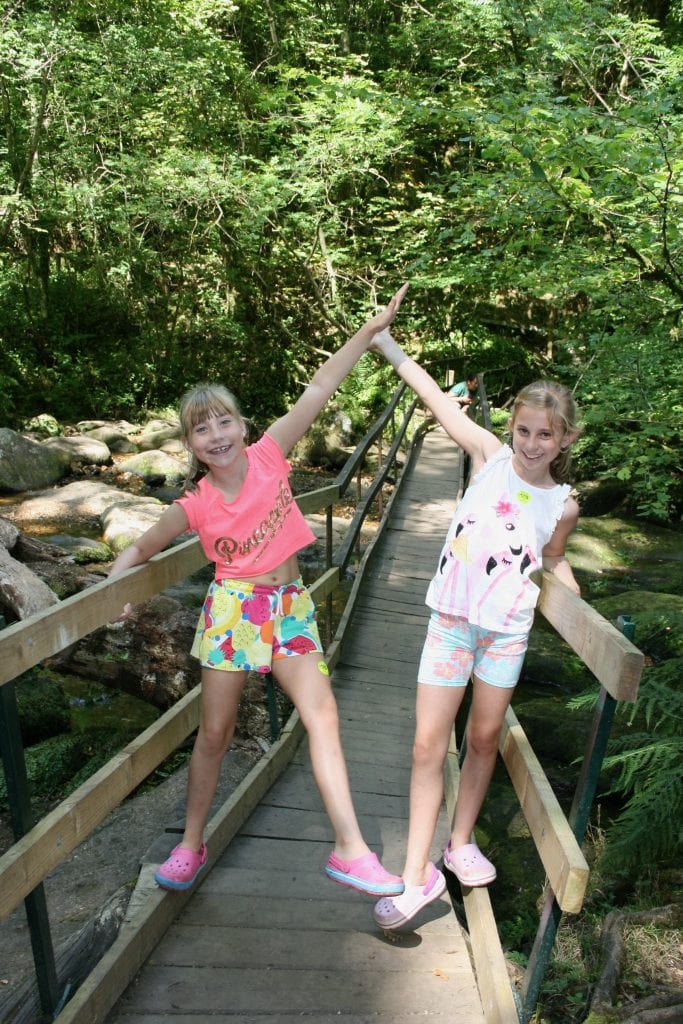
365	874
182	868
392	912
469	865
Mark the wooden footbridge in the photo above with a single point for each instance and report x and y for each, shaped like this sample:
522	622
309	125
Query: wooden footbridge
265	934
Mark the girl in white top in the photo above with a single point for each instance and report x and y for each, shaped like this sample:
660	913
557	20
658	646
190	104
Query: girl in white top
514	518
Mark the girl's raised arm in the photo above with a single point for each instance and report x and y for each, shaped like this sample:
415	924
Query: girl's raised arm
479	443
294	424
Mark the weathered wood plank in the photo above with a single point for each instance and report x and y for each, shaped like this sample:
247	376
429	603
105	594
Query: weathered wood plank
559	851
284	948
24	644
46	845
615	662
493	981
258	990
131	1016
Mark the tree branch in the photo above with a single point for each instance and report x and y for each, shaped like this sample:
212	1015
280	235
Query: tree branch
612	943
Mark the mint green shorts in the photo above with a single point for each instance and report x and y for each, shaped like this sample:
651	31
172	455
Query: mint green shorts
454	649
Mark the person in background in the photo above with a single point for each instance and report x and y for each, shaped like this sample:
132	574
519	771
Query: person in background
258	614
465	391
514	518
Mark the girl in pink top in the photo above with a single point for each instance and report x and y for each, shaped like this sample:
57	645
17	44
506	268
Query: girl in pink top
258	615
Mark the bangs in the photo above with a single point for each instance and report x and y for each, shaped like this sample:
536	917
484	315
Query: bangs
203	402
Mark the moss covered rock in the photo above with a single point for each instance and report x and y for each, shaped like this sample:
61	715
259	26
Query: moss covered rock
43	707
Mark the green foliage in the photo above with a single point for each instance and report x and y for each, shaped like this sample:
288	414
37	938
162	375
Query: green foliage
649	760
50	765
645	761
97	748
207	190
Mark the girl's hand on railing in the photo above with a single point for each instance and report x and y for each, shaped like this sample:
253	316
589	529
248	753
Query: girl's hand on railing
125	614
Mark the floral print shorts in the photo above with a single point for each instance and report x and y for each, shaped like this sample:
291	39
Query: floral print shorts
244	627
454	648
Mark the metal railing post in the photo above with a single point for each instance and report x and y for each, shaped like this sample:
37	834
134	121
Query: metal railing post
12	750
586	787
271	700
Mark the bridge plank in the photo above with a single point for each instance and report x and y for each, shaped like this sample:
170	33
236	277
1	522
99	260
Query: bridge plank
259	989
493	981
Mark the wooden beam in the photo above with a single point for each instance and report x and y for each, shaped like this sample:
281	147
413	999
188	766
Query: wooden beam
612	659
561	856
313	501
24	644
325	584
47	844
490	968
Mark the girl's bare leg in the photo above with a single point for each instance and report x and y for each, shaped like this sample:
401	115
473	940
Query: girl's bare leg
221	692
489	704
435	712
311	693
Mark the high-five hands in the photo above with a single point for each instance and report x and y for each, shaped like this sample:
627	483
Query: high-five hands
386	317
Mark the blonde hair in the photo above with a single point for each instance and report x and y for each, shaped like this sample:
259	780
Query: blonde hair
197	405
558	402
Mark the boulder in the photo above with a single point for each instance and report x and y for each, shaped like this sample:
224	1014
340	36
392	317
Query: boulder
27	465
123	426
155	466
50	564
43	425
156	432
148	655
124	521
82	502
80	449
82	549
22	592
9	534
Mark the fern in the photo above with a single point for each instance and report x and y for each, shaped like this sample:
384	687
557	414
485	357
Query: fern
648	760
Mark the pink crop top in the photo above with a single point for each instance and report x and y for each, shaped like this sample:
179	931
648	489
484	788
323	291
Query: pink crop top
261	528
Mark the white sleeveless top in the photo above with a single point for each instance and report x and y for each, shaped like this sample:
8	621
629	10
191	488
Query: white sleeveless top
494	543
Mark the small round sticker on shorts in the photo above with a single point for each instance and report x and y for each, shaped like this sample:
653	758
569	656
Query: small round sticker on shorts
322	667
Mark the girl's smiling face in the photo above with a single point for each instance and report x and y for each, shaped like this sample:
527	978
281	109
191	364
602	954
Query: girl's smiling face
218	440
536	442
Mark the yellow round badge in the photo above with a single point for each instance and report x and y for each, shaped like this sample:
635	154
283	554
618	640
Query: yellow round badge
323	668
524	497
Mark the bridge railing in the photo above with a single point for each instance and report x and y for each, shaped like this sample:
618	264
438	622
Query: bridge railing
41	846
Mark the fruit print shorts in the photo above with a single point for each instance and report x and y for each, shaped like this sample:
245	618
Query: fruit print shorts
454	648
244	627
